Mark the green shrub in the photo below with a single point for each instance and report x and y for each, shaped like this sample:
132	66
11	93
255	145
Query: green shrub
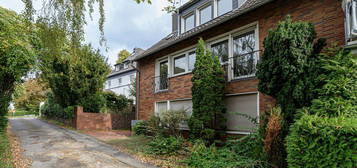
322	142
22	113
213	157
171	120
141	128
338	94
117	104
165	145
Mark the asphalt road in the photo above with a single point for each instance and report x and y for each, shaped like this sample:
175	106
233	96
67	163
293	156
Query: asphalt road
49	146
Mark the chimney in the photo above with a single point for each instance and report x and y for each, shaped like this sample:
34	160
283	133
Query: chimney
175	22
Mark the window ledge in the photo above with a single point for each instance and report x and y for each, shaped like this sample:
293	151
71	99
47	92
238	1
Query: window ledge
181	74
243	79
161	91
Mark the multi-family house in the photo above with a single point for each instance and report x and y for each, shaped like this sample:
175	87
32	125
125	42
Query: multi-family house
121	79
234	30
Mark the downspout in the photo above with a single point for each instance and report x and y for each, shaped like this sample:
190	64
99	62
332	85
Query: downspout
137	78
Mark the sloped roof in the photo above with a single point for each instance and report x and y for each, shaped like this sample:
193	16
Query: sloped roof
174	37
131	57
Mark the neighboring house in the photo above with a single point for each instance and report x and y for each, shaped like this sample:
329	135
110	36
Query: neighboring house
234	30
120	80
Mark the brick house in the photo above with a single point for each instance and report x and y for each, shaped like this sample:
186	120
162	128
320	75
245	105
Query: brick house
234	30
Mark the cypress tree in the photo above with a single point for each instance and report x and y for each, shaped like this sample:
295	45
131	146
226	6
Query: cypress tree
207	94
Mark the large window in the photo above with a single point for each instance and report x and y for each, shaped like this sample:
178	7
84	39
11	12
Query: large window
221	50
205	14
244	55
183	63
189	22
223	6
191	60
180	64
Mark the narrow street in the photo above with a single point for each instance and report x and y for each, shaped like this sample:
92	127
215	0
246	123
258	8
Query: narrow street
49	146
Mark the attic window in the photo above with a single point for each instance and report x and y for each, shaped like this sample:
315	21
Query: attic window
224	6
189	23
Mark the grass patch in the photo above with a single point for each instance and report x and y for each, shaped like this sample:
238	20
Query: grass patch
137	146
5	151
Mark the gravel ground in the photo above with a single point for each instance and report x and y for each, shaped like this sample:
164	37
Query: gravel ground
49	146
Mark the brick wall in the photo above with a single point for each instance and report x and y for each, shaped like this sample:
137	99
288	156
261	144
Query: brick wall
326	15
91	121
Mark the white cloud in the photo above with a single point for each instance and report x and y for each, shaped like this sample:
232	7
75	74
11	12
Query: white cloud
128	24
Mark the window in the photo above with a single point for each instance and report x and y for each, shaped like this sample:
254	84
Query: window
180	64
223	6
244	55
189	23
205	14
109	83
184	62
120	81
350	9
160	107
191	60
245	104
221	50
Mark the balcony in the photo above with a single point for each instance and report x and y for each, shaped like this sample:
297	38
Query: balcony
160	83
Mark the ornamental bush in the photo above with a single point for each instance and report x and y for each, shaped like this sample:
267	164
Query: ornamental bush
316	142
17	56
165	145
338	93
288	62
207	95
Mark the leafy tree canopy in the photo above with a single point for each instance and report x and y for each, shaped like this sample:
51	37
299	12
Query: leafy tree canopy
17	56
122	55
32	93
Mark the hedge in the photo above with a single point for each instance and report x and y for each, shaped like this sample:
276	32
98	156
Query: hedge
322	142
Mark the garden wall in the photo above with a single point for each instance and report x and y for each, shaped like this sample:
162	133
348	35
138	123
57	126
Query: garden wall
91	121
99	121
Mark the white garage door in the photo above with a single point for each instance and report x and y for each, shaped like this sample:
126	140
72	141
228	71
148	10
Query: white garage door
244	104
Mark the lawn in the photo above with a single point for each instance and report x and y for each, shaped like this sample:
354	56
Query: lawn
137	147
5	152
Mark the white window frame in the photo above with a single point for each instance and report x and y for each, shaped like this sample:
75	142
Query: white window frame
198	12
172	58
183	21
227	38
230	35
216	8
157	71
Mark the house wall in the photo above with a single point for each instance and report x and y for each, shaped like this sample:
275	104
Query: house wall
124	87
326	15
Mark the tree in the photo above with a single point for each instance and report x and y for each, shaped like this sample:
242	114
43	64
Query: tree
74	80
287	72
122	55
287	63
207	94
32	94
17	56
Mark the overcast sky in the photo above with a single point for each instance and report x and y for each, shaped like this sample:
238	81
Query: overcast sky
128	24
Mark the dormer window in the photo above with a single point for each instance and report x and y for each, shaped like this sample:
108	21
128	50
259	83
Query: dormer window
188	22
205	14
224	6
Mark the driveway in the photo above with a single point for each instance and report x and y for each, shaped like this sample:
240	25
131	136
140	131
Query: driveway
49	146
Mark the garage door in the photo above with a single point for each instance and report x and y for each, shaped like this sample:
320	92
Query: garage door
244	104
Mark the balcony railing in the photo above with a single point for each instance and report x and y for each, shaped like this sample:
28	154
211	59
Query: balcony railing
161	83
245	65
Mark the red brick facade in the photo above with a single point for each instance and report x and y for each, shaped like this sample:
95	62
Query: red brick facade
326	15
